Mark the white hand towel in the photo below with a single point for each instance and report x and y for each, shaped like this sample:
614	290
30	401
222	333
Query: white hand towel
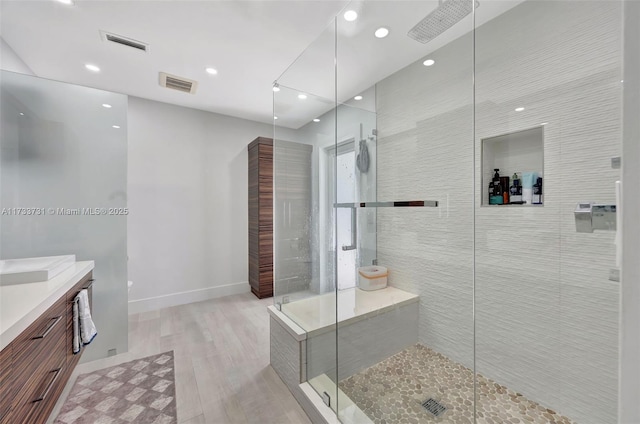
87	328
76	327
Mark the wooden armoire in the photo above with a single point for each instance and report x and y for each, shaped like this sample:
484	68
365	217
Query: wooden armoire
261	217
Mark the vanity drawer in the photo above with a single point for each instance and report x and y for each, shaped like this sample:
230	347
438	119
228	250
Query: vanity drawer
35	346
6	382
34	400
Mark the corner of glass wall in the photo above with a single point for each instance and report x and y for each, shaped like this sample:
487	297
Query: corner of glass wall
303	197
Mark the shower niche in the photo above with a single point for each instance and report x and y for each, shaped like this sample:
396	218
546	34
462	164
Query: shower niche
518	158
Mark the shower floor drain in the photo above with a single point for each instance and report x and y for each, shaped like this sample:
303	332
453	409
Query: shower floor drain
434	407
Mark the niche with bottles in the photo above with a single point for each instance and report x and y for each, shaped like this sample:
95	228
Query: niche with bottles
519	159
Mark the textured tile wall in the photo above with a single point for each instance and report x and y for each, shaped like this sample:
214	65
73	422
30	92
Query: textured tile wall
363	343
286	355
546	314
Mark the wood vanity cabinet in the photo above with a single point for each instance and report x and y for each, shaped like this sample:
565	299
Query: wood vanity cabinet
261	217
36	365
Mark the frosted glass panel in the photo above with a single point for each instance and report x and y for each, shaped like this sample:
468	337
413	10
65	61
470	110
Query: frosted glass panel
61	153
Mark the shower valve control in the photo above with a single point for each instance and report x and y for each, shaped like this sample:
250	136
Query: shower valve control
592	216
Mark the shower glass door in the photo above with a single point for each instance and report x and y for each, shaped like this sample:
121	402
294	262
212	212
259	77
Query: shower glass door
548	109
413	342
494	148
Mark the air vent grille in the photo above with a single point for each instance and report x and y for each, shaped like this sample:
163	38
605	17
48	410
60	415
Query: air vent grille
178	83
125	41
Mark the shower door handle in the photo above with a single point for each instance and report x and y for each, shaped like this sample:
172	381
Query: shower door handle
354	232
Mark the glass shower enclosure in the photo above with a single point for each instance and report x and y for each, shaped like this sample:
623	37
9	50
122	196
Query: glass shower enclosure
459	259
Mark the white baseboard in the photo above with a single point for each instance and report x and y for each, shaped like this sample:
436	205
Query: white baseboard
182	298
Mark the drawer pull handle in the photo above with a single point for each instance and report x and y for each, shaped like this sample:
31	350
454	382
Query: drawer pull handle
49	386
52	323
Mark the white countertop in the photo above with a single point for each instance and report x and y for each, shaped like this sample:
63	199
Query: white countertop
22	304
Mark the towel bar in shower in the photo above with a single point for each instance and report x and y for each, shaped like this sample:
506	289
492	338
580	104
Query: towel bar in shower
396	204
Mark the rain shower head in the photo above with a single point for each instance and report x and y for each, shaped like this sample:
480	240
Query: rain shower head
447	14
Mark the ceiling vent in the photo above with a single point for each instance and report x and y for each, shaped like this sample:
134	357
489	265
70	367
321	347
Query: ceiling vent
124	41
178	83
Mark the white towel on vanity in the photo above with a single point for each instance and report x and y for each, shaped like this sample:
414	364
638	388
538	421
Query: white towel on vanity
84	330
76	327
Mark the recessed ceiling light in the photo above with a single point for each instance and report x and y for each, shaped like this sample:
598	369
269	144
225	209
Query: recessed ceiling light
211	71
115	126
316	120
276	88
519	109
107	105
275	117
67	2
350	15
429	62
381	32
91	67
21	114
302	96
357	98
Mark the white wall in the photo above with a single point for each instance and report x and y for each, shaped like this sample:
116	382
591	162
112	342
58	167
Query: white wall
546	315
187	233
10	61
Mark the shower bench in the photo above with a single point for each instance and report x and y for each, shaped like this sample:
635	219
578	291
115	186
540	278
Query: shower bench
372	326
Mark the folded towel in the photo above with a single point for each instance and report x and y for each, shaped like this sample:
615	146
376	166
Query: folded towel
84	330
76	327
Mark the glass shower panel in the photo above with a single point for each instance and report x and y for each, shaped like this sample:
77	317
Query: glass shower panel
410	344
63	187
549	115
304	194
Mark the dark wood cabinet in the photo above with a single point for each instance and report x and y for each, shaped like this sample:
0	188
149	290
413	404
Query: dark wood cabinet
37	364
261	217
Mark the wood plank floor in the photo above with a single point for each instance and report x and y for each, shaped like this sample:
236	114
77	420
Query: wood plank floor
222	370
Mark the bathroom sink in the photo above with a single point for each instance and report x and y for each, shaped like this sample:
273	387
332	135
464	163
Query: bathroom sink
30	270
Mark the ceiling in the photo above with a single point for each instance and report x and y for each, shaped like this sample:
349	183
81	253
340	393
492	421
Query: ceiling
249	43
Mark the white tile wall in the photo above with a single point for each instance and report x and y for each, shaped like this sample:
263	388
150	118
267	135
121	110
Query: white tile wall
546	314
363	343
287	355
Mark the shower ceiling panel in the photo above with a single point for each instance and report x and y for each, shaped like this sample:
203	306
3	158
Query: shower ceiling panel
363	59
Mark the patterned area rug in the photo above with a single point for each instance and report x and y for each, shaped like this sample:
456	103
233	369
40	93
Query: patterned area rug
140	391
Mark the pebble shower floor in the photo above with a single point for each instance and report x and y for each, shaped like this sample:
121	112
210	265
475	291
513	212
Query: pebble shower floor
392	392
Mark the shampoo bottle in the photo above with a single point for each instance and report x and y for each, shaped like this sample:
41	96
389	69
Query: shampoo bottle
536	198
515	190
495	195
504	186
